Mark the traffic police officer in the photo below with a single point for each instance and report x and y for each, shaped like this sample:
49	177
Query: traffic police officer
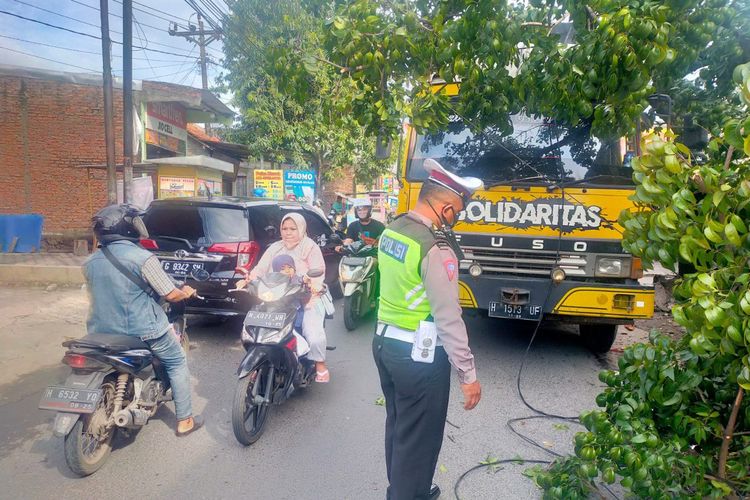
420	332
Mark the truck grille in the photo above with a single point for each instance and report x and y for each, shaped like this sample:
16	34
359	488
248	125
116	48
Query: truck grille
523	263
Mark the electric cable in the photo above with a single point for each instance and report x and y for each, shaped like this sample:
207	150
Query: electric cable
539	414
114	14
98	53
89	35
50	60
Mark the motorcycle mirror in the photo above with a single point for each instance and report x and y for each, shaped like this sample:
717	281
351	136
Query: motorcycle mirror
200	274
315	273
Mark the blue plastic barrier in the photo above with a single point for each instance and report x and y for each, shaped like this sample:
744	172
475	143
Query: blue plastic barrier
26	227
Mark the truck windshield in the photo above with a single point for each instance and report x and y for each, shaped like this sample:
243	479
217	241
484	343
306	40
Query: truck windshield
530	151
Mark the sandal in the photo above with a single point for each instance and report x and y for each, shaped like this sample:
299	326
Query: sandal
198	422
322	377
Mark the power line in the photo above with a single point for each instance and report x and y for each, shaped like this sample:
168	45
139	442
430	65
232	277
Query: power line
114	15
88	34
137	26
168	19
81	50
95	25
161	11
48	59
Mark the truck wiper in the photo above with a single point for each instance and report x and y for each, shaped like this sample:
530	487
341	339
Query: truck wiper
590	179
520	180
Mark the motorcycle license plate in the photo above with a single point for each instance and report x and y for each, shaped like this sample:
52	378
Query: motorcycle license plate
69	400
510	311
265	319
177	268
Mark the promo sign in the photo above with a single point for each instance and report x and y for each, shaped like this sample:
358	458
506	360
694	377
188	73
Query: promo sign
271	182
166	126
299	185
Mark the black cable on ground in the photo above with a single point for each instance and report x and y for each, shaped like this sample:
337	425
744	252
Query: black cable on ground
539	413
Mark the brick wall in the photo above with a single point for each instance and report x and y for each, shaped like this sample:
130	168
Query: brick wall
342	183
48	129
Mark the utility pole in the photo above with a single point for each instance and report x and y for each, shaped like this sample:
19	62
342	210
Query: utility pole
202	42
109	134
127	99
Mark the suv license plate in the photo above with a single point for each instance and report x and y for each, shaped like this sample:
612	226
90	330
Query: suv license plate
178	268
528	312
69	400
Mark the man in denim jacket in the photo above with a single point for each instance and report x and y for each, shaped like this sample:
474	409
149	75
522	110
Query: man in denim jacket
119	306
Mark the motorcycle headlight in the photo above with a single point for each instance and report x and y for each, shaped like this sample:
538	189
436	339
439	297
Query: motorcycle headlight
613	266
272	336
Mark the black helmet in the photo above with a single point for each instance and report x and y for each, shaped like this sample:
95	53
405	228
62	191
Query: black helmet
119	222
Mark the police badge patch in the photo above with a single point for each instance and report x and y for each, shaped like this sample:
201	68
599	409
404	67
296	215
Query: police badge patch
450	268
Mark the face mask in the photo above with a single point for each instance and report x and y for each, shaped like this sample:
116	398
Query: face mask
445	231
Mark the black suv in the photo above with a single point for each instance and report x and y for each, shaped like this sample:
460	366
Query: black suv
222	233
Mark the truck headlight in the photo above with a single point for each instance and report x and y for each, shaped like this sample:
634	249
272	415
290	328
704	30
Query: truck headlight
613	266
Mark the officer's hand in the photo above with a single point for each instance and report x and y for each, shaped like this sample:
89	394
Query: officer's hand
472	394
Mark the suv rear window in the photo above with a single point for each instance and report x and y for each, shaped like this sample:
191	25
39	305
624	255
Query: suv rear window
199	225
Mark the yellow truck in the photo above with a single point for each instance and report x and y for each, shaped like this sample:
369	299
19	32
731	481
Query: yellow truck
542	241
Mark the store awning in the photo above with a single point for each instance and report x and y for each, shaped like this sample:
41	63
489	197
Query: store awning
195	161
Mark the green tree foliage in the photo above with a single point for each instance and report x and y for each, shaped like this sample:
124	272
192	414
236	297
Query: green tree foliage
509	56
667	411
275	124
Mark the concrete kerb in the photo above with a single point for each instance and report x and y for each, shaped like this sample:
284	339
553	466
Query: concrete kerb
41	274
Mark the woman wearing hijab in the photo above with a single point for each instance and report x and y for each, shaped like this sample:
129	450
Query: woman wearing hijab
306	255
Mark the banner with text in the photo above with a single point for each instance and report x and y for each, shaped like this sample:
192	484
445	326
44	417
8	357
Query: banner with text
166	126
269	184
299	185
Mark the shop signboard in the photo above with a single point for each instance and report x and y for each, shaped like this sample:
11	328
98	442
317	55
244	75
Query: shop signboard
166	126
176	187
299	185
270	183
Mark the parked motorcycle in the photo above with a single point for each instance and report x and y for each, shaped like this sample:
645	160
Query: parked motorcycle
358	275
274	364
116	383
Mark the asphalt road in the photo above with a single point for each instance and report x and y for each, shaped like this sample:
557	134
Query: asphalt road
324	443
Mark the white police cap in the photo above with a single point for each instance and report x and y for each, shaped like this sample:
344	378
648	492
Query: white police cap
464	187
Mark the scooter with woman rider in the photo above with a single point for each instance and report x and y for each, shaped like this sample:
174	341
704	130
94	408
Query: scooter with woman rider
288	281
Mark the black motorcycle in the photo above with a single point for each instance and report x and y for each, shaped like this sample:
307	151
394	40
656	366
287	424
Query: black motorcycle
274	364
115	383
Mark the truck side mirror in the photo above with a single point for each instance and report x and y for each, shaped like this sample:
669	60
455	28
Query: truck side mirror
383	145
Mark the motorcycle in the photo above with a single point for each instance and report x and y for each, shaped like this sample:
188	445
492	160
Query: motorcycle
116	383
358	275
274	364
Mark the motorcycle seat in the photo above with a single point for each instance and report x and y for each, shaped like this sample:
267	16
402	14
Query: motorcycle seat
108	342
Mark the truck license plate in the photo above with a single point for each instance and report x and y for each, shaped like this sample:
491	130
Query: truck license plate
528	311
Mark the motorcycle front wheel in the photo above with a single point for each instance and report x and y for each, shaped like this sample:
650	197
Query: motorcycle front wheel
89	443
352	308
249	414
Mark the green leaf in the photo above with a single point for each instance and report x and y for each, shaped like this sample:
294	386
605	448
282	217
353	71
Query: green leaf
639	438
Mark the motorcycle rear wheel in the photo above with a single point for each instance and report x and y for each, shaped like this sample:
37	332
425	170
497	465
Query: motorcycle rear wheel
244	408
88	446
352	308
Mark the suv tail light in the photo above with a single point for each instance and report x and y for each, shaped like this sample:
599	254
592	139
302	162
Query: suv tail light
149	244
247	252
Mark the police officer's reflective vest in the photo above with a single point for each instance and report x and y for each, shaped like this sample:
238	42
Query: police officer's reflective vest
403	299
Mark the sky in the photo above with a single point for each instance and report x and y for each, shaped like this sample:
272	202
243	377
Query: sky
178	65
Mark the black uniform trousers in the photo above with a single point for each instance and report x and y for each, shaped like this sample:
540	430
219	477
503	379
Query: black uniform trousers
416	403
